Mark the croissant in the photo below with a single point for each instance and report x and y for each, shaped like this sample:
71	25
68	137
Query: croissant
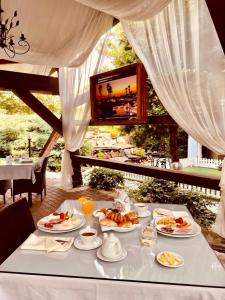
120	219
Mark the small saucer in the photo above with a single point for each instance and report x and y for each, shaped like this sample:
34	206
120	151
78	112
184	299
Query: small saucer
121	257
145	214
80	245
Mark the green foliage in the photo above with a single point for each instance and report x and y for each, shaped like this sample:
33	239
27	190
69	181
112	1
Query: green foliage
106	179
162	191
54	163
87	148
10	104
17	120
14	130
119	49
139	152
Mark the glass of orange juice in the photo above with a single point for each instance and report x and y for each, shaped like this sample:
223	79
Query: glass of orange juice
87	207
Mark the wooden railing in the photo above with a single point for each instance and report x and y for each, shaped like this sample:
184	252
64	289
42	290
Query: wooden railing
210	182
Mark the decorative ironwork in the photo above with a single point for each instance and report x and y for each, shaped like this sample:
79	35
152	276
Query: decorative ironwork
11	48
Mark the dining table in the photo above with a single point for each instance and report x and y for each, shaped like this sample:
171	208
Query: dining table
19	169
80	274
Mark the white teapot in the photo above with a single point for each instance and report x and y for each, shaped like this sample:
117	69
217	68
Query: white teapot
111	247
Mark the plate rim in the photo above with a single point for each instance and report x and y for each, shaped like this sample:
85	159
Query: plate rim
160	253
182	235
61	231
86	249
103	258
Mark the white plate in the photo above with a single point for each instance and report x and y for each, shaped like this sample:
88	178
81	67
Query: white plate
165	265
80	245
145	214
161	212
119	229
80	223
196	230
121	257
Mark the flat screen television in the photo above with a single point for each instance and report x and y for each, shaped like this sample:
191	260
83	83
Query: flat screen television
119	96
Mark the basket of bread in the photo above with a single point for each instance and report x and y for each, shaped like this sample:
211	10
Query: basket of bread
112	219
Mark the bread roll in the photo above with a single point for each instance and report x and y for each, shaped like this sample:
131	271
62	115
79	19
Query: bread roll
127	224
132	215
108	222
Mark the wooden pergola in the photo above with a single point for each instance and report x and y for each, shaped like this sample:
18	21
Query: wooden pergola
23	85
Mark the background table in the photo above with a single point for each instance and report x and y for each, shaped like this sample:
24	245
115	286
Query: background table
18	170
81	275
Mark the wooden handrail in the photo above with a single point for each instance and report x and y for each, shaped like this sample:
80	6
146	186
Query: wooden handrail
210	182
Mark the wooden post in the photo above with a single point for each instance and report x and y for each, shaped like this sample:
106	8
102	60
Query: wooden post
77	175
173	143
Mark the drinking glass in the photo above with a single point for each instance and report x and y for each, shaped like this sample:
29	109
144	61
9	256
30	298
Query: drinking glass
148	234
87	207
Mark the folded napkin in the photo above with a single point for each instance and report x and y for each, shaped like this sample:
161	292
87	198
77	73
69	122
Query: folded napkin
47	243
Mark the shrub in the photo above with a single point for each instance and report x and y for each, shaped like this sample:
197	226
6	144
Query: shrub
139	152
162	191
87	148
106	179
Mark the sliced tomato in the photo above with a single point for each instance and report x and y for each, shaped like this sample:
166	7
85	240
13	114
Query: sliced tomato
183	225
48	225
62	216
179	220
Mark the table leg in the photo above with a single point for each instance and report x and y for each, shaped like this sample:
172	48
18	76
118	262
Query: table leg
30	199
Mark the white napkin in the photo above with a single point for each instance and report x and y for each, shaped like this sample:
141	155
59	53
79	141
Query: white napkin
47	243
122	202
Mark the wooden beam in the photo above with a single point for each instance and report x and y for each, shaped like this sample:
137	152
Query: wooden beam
39	108
211	182
53	138
161	120
35	83
6	62
217	12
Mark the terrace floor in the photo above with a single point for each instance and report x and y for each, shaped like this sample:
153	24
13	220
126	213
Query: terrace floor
55	196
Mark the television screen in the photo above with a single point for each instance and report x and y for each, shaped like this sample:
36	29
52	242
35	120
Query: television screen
116	96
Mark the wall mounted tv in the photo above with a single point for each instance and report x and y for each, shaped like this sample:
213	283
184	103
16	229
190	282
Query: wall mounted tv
119	96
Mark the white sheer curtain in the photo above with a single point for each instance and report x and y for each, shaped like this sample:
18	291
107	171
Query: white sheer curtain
128	9
74	88
185	62
60	33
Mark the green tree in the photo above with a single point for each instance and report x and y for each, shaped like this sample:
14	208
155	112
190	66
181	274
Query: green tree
11	104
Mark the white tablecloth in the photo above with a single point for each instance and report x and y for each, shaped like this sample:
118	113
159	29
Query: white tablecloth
34	287
19	171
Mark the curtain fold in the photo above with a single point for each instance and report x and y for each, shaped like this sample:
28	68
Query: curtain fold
74	88
60	33
128	9
185	62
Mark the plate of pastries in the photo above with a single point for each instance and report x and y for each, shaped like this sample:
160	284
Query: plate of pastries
112	219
